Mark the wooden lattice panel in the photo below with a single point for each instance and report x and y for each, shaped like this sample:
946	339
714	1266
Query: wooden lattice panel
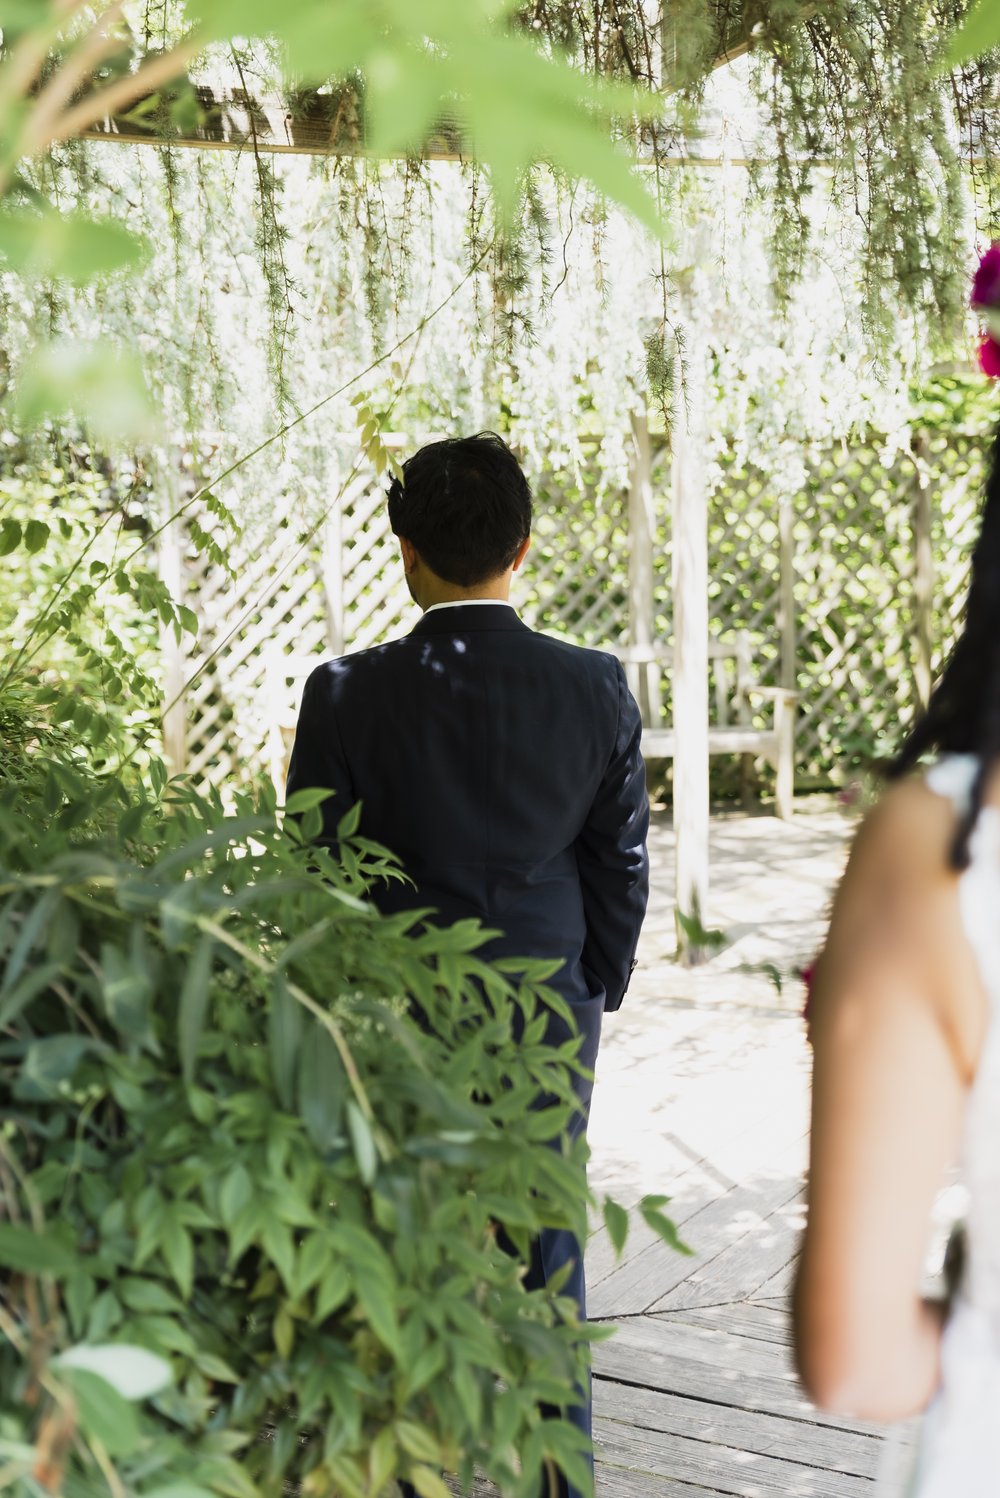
954	528
854	596
575	575
376	602
855	564
272	605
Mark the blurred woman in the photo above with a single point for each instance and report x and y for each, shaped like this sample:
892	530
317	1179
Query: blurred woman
905	1018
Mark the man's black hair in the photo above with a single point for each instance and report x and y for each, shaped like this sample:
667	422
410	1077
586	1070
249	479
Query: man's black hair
465	505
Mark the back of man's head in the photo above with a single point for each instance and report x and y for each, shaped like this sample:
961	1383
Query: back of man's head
465	506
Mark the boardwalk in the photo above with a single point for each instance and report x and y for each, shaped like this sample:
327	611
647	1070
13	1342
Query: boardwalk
702	1094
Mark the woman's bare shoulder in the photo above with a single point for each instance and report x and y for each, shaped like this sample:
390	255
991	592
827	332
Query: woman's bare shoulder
896	924
907	834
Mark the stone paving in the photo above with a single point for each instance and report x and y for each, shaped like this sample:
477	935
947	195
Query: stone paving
770	890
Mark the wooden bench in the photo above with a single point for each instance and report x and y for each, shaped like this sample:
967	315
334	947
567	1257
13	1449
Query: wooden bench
734	687
733	683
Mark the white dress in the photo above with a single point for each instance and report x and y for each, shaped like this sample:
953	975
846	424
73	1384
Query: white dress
957	1453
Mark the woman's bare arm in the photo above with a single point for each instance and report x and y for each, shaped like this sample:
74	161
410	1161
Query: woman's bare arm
898	1015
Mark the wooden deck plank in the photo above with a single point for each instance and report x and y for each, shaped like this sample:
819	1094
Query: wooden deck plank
751	1318
760	1251
779	1436
778	1289
662	1352
614	1481
717	1225
722	1469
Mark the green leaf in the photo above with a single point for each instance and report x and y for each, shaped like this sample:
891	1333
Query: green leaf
133	1371
103	1413
313	1259
277	1244
283	1331
374	1298
382	1458
334	1289
21	15
349	822
98	382
417	1441
649	1207
127	986
428	1483
217	1368
34	982
33	933
428	1365
178	1252
178	1490
67	246
149	1296
979	33
52	1061
322	1087
28	1252
564	1445
616	1221
10	536
235	1194
304	800
285	1021
363	1142
193	1004
36	535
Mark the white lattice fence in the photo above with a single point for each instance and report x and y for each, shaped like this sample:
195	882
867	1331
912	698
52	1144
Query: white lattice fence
955	523
294	600
576	576
274	605
854	586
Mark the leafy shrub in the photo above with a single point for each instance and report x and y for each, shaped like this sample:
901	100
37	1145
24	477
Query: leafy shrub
229	1143
81	610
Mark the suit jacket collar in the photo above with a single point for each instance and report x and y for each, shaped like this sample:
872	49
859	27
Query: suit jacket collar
460	620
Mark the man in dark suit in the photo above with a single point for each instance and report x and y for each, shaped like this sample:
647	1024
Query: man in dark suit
502	766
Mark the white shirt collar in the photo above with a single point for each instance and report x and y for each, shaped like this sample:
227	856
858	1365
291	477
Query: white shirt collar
469	603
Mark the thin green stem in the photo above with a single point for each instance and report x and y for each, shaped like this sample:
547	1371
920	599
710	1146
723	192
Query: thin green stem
22	659
205	923
307	538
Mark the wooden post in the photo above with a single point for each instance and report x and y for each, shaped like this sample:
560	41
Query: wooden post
175	658
690	581
641	618
923	579
784	707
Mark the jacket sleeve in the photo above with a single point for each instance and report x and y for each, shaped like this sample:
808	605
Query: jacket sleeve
612	859
318	755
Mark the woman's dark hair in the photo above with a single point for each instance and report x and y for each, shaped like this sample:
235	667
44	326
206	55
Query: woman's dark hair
963	715
465	505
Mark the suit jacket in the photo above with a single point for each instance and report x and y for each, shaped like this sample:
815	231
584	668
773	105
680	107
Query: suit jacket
503	768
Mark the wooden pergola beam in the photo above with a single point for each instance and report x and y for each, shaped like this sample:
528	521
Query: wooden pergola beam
230	119
316	124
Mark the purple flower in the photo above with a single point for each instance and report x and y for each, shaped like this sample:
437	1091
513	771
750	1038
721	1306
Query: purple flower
989	358
986	282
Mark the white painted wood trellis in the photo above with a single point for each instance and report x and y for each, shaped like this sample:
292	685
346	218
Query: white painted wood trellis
789	587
